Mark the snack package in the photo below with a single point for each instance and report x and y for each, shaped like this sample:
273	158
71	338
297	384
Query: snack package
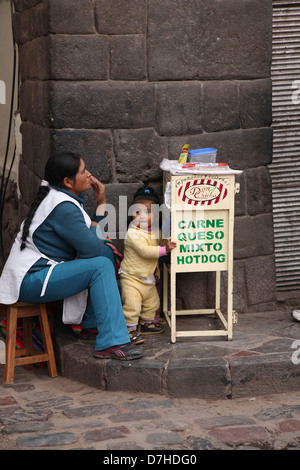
184	154
176	168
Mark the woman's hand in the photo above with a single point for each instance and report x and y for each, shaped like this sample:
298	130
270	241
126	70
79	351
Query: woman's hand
99	190
99	193
170	245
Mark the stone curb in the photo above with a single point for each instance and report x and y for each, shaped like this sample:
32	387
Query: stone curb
252	365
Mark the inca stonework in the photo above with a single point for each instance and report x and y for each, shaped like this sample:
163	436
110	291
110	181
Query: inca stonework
126	83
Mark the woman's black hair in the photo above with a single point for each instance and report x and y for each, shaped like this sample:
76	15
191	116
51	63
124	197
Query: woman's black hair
57	168
60	166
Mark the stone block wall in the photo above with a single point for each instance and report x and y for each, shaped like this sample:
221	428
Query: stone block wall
126	83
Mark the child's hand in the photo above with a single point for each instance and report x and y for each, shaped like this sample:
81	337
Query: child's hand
170	245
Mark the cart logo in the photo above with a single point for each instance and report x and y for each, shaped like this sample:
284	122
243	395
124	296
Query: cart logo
204	191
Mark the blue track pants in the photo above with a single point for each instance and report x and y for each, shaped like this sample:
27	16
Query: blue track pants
104	309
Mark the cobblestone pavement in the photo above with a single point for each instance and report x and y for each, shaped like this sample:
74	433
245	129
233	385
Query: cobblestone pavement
40	413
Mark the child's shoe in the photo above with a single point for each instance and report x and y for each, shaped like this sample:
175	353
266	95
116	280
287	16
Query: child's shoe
148	328
135	337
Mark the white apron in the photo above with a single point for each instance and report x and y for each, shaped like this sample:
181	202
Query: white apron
19	262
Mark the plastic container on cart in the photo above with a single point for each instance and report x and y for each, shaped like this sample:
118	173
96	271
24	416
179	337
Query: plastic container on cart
205	155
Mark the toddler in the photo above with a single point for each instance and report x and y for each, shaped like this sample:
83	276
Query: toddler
139	268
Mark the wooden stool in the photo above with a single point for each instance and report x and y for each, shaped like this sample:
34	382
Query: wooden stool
27	355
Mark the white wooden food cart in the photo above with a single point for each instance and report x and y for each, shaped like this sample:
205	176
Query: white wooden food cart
202	222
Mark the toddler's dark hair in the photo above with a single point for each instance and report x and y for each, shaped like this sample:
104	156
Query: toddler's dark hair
146	193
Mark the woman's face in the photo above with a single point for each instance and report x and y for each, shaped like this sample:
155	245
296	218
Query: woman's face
81	182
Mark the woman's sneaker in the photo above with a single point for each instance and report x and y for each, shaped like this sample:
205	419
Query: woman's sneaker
124	352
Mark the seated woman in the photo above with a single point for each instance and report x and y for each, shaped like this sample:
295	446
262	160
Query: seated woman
59	254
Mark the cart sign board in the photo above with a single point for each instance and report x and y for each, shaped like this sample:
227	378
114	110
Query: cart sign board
200	222
204	191
202	242
207	191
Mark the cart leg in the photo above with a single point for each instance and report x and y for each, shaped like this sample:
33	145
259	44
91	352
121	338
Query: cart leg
165	289
229	304
173	306
218	290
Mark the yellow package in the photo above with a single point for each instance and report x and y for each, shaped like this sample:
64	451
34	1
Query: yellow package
184	154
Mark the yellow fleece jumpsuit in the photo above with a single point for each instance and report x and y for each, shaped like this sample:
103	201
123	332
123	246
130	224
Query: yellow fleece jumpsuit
139	267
